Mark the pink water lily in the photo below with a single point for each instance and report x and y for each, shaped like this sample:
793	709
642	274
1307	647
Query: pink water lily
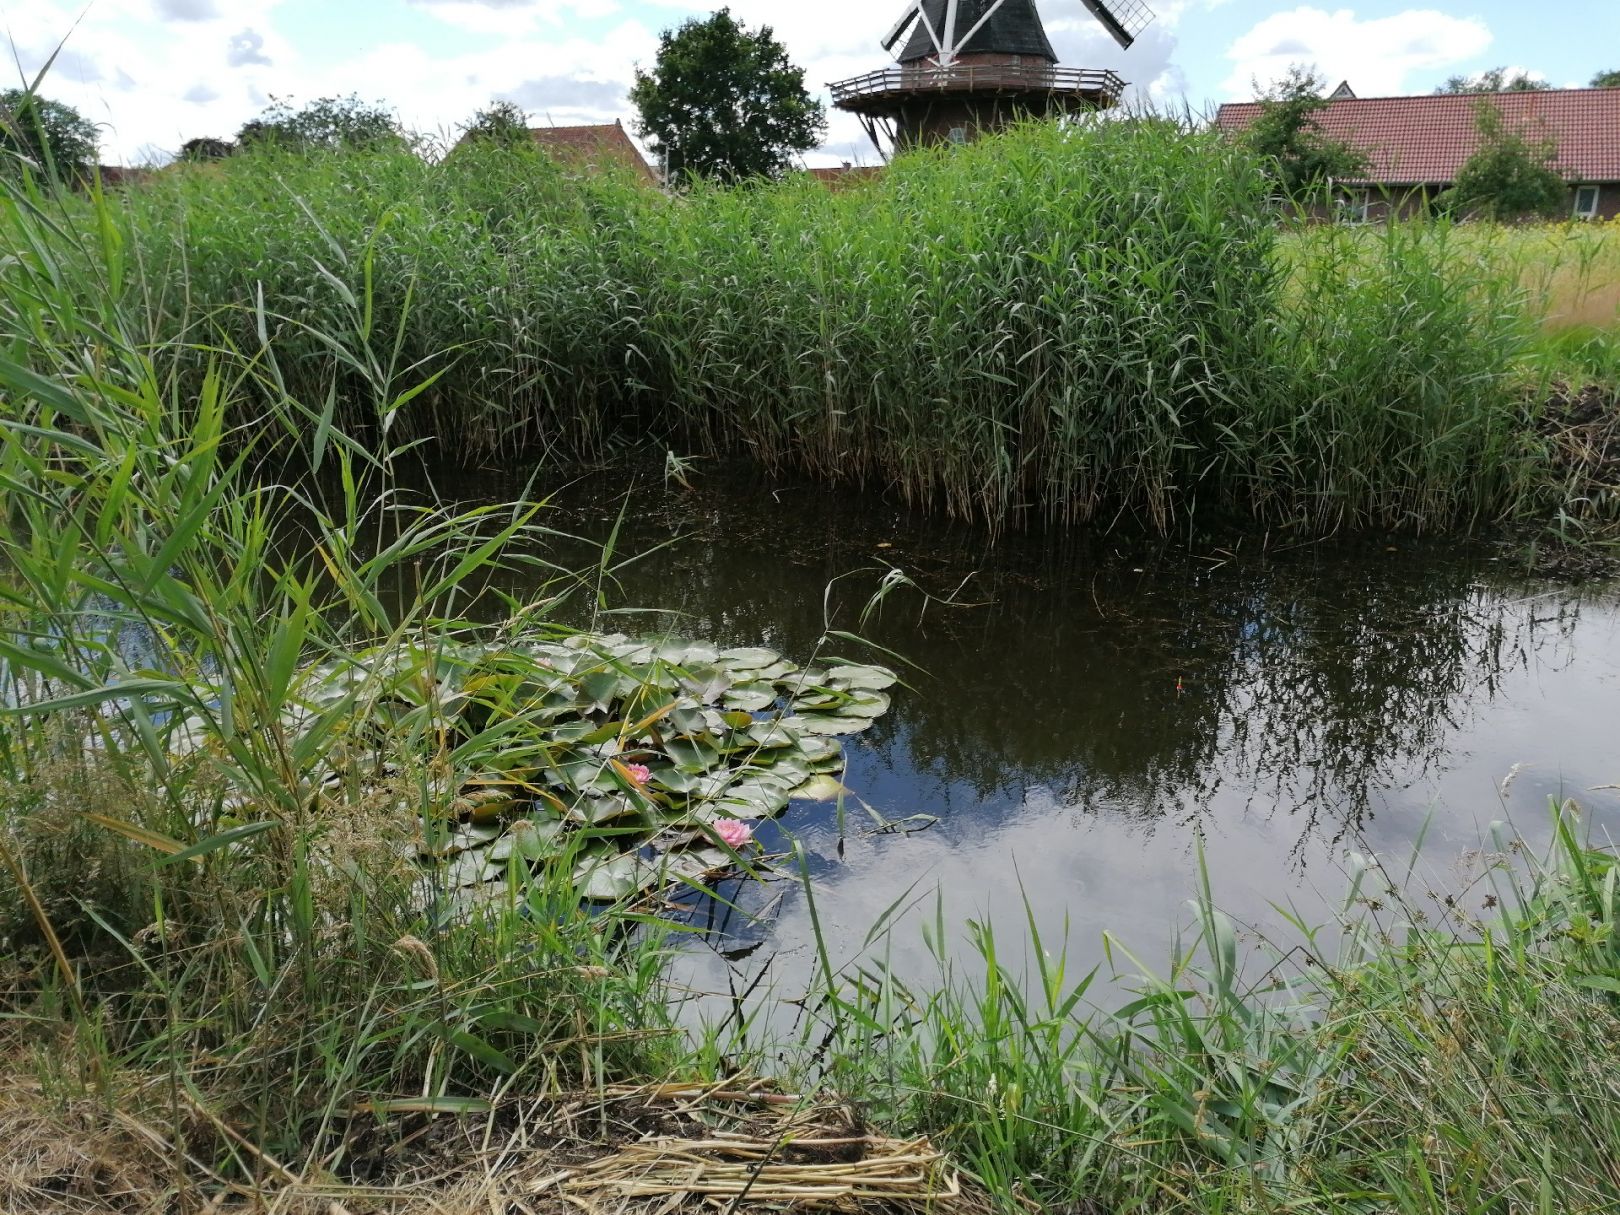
640	773
735	832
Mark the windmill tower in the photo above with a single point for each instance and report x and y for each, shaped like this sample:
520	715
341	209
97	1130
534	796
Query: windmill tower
968	66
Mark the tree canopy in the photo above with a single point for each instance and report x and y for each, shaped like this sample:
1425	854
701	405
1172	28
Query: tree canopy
52	137
503	122
1302	159
1607	80
1494	80
327	122
206	147
1509	177
724	101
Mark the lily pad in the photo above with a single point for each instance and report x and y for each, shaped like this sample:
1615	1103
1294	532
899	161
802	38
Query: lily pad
602	879
469	869
691	754
819	788
653	740
535	838
827	723
852	675
595	810
864	704
694	864
748	658
750	697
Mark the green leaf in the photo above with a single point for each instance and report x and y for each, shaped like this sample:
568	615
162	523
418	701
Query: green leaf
170	689
852	675
748	658
222	839
475	1046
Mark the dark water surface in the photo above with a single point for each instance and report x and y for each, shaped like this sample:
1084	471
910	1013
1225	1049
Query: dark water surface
1083	714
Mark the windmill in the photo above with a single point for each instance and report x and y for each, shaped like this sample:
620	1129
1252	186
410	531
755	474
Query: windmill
967	66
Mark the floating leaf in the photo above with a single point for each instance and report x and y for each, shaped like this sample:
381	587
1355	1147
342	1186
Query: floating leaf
536	838
674	780
703	682
819	788
826	723
853	675
694	864
594	810
611	879
471	835
864	704
572	722
470	869
815	699
692	755
748	658
750	697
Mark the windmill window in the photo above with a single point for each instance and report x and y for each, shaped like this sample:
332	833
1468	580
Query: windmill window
1586	202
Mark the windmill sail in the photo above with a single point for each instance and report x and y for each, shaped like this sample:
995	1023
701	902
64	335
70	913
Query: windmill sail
947	28
1123	19
898	30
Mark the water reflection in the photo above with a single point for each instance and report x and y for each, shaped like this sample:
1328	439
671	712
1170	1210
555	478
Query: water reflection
1087	710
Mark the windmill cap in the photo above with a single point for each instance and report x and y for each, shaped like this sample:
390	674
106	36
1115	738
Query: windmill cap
1013	29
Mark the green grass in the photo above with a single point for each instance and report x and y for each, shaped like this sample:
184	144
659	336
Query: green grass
218	940
1415	1056
1046	325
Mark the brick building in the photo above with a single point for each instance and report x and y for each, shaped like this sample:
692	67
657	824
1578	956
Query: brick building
1415	145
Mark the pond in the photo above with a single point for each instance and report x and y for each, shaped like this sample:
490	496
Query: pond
1084	715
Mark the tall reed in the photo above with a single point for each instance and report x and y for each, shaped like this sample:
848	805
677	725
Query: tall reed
223	889
1050	324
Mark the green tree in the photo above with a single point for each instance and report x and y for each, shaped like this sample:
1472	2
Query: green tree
1509	177
1494	80
205	147
1302	159
53	138
1606	80
503	122
723	101
327	122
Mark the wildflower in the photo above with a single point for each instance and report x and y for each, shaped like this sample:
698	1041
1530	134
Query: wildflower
640	773
735	832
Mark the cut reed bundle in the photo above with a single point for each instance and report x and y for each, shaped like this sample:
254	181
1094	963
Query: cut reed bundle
751	1147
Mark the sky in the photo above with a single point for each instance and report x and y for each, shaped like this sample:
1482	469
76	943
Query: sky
153	73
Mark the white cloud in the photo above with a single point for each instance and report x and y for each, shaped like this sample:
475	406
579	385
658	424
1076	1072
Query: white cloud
246	47
514	18
158	72
185	10
1379	55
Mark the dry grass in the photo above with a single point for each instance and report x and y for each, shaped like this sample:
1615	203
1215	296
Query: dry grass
1581	426
738	1146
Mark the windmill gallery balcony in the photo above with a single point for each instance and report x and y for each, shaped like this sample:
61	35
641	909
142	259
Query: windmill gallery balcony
922	102
887	92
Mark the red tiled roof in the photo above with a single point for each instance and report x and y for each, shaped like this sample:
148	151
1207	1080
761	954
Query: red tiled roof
842	177
1415	140
593	146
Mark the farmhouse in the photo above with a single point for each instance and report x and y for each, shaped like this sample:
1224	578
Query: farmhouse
1415	145
596	147
844	176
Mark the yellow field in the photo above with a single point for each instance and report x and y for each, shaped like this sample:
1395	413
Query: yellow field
1571	271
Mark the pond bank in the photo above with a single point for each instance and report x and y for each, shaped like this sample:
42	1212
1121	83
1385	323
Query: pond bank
232	980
